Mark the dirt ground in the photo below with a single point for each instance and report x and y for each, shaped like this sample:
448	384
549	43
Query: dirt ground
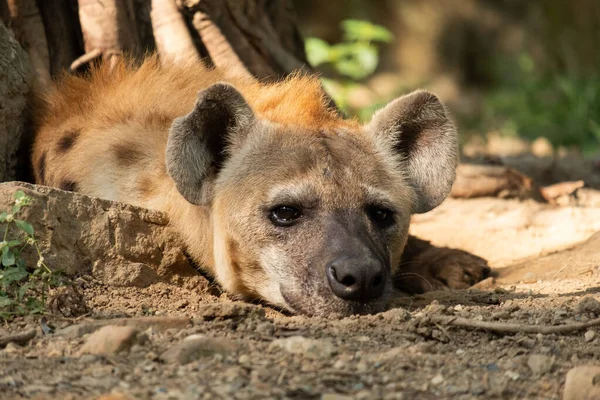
194	342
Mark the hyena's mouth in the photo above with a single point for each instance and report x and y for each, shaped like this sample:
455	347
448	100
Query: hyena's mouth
322	302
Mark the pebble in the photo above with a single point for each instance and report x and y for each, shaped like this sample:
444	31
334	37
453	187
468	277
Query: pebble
512	375
335	396
438	379
138	323
588	305
110	339
582	383
540	364
192	349
589	335
310	348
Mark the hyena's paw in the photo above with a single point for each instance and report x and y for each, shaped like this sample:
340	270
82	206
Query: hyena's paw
441	269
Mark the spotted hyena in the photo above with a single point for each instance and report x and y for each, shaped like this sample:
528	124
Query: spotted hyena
275	195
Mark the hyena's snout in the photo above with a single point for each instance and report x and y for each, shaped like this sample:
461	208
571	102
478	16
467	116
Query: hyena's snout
356	278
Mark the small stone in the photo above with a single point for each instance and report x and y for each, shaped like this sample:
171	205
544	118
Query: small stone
512	375
198	347
244	359
541	147
437	380
140	323
110	339
589	335
310	348
529	277
540	364
588	305
335	396
582	383
36	389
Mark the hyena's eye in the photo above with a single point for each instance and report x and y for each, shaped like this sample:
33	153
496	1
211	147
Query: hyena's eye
381	216
284	215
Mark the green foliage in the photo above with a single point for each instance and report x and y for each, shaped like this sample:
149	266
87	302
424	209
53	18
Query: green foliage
23	289
357	56
531	103
352	60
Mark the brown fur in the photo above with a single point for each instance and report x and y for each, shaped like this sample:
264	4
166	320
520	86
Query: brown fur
108	135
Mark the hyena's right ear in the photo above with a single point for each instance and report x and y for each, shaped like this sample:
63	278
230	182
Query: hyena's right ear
197	144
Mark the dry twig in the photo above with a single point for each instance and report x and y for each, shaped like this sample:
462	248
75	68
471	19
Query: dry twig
513	328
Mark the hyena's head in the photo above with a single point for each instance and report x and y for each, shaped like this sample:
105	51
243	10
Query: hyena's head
312	220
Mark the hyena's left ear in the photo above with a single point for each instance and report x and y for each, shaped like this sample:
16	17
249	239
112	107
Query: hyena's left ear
417	127
198	142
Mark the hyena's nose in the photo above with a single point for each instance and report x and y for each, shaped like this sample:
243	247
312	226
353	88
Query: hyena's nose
355	279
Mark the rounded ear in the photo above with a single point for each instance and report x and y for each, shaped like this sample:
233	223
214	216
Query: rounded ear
197	143
417	128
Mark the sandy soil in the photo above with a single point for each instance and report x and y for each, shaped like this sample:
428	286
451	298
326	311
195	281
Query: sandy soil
213	347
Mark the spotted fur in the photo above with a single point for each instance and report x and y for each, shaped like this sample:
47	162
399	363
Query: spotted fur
218	153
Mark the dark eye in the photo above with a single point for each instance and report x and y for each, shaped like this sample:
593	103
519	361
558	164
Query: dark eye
284	215
381	216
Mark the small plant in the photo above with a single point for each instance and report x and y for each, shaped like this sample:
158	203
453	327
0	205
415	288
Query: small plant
352	60
23	290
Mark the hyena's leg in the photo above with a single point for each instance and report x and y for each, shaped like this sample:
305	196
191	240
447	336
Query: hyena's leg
424	267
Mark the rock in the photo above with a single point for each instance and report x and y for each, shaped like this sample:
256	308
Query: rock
196	347
589	335
15	71
139	323
118	244
309	348
20	338
110	339
540	364
582	383
588	305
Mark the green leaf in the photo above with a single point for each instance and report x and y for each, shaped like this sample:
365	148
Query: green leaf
317	51
13	243
22	290
3	217
19	194
8	259
13	274
24	226
356	30
5	249
5	302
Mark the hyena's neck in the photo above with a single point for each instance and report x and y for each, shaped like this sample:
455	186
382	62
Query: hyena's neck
192	223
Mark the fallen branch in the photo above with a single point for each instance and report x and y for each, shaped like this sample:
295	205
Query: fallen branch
513	328
22	337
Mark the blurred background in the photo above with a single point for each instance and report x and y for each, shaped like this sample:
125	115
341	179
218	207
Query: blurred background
511	71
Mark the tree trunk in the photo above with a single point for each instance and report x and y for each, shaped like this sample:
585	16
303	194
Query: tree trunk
14	87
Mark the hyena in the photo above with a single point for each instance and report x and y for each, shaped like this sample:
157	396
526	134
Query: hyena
274	194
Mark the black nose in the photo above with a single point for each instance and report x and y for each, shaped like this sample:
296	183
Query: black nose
355	279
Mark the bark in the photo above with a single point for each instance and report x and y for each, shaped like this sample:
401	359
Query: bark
173	40
63	33
109	30
28	28
15	72
258	35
